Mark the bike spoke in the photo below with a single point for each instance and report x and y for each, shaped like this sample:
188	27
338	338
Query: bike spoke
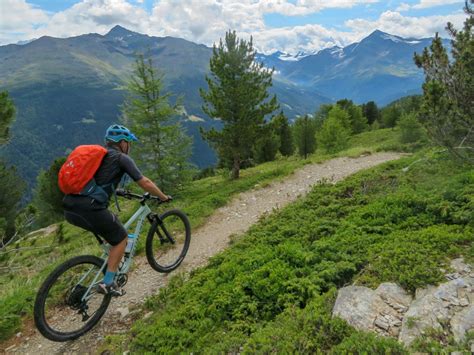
70	304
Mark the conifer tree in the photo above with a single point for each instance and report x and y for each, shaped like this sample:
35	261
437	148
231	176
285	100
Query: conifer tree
11	191
321	115
164	148
390	116
266	146
305	135
11	184
48	197
371	111
357	122
334	136
283	130
447	110
238	96
7	114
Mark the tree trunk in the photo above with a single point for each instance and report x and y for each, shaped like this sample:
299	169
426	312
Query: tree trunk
236	168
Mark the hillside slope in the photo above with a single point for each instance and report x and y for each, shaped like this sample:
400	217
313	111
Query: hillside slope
213	237
274	289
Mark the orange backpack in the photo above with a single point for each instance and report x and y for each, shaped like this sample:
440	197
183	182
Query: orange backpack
80	168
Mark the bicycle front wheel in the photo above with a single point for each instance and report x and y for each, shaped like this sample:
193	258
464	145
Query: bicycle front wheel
168	240
67	305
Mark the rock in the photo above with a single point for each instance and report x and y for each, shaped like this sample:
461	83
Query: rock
420	292
431	308
394	296
18	334
464	302
453	276
424	312
382	323
460	267
148	315
462	322
368	309
123	312
355	305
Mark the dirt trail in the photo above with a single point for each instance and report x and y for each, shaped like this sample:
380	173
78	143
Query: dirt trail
234	218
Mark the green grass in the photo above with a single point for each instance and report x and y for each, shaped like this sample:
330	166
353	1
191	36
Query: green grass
199	200
273	289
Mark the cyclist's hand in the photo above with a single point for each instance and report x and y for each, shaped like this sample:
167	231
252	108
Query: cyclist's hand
168	198
120	192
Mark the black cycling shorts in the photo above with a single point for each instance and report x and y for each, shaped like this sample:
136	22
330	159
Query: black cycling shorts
99	221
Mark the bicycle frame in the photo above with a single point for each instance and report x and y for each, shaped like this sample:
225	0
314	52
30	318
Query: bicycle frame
139	216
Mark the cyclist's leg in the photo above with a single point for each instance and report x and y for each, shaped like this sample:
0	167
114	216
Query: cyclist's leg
107	225
111	229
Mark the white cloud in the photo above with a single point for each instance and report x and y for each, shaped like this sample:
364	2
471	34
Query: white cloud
305	7
403	7
423	4
301	38
94	16
206	21
394	23
17	17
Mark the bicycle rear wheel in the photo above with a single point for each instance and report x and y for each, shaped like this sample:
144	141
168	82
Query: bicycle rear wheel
60	313
168	240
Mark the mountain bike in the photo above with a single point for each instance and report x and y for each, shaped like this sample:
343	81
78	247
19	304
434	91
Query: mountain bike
68	305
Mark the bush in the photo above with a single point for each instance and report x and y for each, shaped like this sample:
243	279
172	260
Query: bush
368	343
271	290
411	130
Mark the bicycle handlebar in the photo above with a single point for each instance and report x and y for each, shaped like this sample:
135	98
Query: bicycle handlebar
146	196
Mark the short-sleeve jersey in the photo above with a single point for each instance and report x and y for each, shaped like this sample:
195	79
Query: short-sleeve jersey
113	167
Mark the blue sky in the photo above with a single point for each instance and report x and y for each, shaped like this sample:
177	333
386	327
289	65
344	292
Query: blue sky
287	25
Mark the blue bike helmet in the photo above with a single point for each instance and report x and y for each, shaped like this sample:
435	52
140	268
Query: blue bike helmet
117	133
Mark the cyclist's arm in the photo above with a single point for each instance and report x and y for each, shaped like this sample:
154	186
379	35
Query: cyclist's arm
129	166
148	185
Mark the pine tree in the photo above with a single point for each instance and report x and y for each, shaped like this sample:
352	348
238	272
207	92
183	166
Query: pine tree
48	197
305	135
321	115
390	116
11	191
7	114
334	136
283	130
238	97
447	111
266	146
371	111
11	185
411	130
357	122
164	149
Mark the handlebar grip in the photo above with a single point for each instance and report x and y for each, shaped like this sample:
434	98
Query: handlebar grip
120	192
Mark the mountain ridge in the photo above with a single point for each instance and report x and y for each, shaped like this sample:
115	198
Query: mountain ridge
68	90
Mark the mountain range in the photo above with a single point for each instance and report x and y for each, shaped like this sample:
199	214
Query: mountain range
68	90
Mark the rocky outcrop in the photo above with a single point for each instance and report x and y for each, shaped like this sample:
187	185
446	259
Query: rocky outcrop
379	310
390	311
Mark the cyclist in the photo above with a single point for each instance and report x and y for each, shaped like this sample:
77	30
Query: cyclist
88	213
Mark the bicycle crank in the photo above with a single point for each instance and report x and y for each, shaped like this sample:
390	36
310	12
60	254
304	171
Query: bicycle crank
122	280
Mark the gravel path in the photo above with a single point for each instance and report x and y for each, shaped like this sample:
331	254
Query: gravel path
234	218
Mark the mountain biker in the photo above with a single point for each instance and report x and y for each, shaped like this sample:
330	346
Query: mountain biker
87	213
